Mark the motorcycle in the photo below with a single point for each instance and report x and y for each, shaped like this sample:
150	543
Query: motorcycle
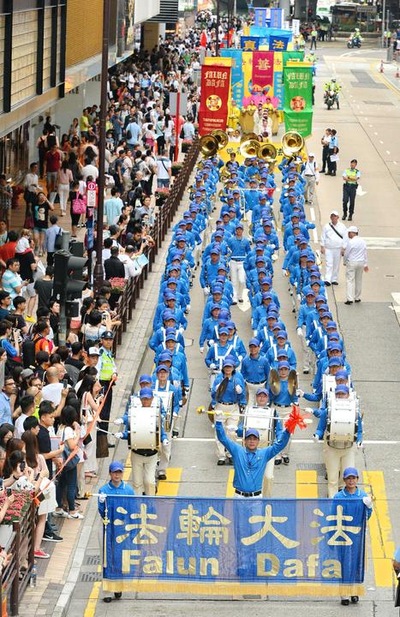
330	98
354	41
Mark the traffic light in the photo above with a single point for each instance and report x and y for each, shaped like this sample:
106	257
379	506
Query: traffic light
68	270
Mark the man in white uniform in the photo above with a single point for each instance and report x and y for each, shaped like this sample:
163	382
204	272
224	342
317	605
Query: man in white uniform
356	262
311	176
333	242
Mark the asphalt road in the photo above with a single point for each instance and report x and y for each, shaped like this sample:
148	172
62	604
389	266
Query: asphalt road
368	129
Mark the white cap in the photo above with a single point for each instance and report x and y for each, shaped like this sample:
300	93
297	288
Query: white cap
335	212
352	229
93	351
311	154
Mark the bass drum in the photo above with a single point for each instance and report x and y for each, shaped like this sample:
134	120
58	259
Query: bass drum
342	422
262	419
167	399
144	425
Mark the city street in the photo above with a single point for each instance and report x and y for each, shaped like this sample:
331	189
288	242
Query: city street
368	127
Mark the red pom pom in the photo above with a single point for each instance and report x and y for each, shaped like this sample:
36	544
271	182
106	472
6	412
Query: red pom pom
295	419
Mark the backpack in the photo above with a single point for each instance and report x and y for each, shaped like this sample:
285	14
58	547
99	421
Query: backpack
58	241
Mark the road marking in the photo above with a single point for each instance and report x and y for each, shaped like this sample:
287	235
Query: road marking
91	605
230	491
387	151
306	484
375	133
380	529
380	141
312	214
170	487
127	469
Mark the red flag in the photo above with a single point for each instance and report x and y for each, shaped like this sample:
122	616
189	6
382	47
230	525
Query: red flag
215	86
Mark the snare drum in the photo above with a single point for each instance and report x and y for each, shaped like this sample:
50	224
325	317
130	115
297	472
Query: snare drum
144	425
167	399
262	419
341	427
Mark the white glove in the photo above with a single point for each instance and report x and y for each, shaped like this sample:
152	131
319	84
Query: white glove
218	417
308	409
213	366
188	307
238	389
315	438
299	392
299	297
207	291
284	273
165	442
181	329
299	331
118	421
118	435
102	498
201	349
211	342
367	501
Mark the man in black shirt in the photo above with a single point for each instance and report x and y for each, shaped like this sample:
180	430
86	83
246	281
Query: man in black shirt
113	267
46	421
44	288
5	302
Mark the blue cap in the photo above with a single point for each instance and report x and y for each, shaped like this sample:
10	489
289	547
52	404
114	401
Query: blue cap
331	324
230	325
342	374
169	295
146	393
219	233
320	298
252	432
168	315
283	365
215	251
350	471
223	267
281	353
281	334
215	306
303	254
224	314
170	331
145	379
170	337
162	367
239	226
333	347
255	342
171	281
223	330
335	362
165	356
267	295
311	257
342	389
262	391
115	466
229	361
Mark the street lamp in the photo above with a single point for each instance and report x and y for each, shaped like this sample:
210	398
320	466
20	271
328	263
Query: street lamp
98	271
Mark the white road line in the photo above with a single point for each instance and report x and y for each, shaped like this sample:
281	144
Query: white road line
387	151
312	214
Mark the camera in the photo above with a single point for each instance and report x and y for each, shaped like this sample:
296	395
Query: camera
22	465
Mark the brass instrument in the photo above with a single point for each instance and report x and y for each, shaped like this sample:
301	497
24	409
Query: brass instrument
249	148
247	136
292	382
208	145
221	137
224	174
267	152
292	143
274	381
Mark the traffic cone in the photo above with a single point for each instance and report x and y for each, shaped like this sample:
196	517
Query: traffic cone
381	67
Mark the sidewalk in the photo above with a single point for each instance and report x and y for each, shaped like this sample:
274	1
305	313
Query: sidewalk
58	575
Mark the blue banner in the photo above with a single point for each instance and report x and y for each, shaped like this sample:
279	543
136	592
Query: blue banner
232	542
278	43
237	85
260	17
249	43
276	18
261	33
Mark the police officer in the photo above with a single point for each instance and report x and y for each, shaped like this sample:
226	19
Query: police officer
107	373
351	175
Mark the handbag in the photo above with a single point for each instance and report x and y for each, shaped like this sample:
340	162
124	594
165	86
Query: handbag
59	240
79	205
72	463
28	223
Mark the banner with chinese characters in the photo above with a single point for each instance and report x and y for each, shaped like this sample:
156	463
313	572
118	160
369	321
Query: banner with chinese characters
236	73
260	18
215	91
249	43
278	42
298	98
263	72
278	78
234	546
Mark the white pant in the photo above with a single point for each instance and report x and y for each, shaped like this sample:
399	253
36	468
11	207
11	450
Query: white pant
354	272
332	264
284	413
229	423
251	392
309	188
307	352
268	479
336	462
144	473
238	279
63	193
165	453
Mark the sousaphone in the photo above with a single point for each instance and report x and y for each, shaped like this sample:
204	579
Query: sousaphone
267	152
208	145
221	137
292	143
249	148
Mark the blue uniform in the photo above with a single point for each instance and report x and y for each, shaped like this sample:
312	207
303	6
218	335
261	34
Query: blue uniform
250	466
123	490
359	494
283	399
255	370
230	396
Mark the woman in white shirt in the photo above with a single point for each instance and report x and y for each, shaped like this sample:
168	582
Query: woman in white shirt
70	434
64	178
